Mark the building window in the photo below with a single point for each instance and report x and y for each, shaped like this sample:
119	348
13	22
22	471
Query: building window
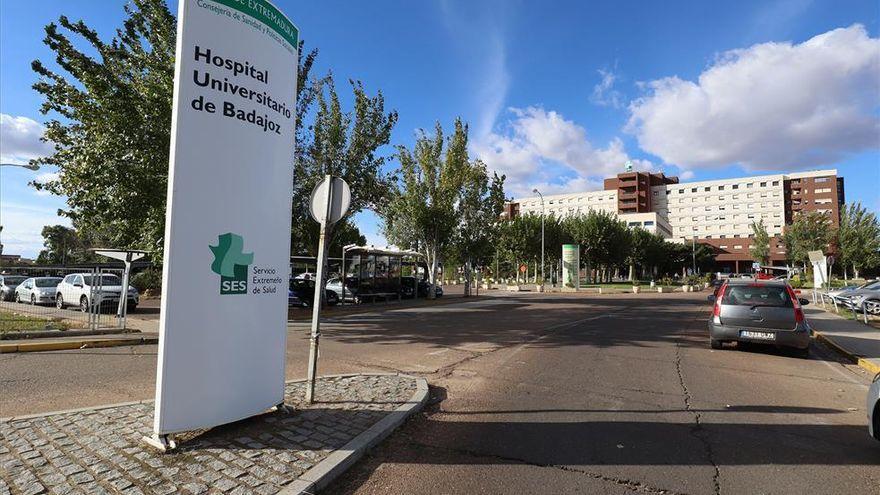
821	179
775	182
722	236
763	184
735	186
723	246
750	185
693	189
720	188
649	223
738	246
707	189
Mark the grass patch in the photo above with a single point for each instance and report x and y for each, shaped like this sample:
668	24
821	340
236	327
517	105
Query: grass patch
15	322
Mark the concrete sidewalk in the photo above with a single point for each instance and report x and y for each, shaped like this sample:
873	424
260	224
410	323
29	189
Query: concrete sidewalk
858	341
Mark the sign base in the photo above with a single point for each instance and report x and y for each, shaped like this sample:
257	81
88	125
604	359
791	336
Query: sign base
162	443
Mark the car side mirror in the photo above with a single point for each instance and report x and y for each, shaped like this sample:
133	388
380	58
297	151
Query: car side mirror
711	298
803	301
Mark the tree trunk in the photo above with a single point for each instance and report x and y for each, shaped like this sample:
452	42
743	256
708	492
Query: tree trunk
432	277
855	271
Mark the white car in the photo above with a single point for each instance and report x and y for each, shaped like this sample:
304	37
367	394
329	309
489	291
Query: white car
874	408
37	290
84	289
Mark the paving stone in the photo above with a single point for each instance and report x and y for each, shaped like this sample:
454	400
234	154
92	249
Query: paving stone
99	451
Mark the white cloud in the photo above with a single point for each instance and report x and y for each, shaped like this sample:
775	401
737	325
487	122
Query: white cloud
771	106
23	225
20	139
537	139
604	93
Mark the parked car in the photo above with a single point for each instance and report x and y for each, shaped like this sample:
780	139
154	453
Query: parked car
8	283
304	290
874	408
335	284
293	299
407	284
767	312
37	290
83	289
857	299
848	290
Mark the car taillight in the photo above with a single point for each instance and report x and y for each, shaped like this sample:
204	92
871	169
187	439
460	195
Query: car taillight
716	311
798	311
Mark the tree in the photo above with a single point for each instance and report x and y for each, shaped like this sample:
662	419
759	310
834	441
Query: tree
344	233
858	238
62	244
519	240
112	124
760	249
342	144
479	206
421	214
810	232
604	241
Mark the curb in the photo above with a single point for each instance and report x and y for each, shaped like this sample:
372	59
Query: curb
321	474
54	334
74	344
855	358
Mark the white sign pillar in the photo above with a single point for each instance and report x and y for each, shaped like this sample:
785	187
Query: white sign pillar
223	324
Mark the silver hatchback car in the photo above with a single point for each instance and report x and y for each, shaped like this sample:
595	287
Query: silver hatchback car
759	311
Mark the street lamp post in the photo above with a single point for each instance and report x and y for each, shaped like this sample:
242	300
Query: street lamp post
29	166
536	191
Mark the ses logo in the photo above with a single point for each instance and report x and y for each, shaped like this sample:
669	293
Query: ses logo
231	263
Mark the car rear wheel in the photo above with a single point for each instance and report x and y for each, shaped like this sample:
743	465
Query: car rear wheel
59	302
84	304
715	344
876	417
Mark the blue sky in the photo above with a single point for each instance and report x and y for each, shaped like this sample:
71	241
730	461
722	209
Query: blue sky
558	94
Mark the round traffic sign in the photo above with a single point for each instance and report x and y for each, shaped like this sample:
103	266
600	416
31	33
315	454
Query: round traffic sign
339	200
523	268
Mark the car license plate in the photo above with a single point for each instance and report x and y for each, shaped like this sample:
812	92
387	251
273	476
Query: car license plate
748	334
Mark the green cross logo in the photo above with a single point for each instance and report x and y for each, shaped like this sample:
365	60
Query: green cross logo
231	263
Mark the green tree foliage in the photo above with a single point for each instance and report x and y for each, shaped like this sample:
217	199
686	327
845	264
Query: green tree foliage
62	246
342	144
110	124
858	238
519	241
604	241
479	206
760	249
809	232
422	213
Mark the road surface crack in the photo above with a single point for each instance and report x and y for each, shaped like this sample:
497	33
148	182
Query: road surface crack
698	431
634	485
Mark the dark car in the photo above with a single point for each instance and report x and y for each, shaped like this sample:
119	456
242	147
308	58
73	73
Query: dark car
304	291
408	283
8	283
766	312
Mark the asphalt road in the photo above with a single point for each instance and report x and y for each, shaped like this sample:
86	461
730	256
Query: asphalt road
553	394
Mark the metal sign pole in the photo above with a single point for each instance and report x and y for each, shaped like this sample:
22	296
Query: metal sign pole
316	305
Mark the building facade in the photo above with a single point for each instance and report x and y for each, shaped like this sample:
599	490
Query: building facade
718	213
